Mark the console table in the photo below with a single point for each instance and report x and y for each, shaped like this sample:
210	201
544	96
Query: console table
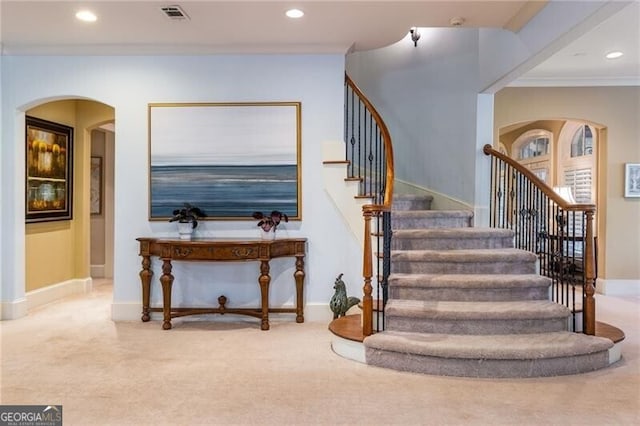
219	250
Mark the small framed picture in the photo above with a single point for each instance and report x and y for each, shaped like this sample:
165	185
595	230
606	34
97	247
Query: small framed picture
632	180
96	185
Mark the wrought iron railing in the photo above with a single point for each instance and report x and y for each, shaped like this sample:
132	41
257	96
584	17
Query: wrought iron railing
370	155
559	232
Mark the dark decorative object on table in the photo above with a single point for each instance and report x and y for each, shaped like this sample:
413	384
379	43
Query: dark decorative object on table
271	221
188	214
340	303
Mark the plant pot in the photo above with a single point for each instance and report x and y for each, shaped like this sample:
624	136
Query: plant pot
268	235
185	230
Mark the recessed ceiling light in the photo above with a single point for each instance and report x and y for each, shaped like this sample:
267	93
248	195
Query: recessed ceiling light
86	16
614	55
294	13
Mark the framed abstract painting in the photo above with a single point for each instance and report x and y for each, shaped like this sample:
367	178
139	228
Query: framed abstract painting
229	159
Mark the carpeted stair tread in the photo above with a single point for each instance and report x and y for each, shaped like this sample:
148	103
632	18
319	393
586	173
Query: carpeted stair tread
451	238
411	202
468	281
453	233
454	310
469	287
463	256
505	346
433	213
414	219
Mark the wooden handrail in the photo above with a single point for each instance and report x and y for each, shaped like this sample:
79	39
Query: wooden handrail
549	192
369	210
388	150
589	308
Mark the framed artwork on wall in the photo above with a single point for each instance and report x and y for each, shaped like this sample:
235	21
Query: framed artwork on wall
49	170
96	185
632	180
229	159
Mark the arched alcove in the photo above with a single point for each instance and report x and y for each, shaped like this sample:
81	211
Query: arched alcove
57	253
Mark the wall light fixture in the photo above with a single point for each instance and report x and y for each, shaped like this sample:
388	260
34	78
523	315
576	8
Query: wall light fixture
415	35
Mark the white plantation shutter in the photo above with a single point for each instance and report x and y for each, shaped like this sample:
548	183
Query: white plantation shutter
580	181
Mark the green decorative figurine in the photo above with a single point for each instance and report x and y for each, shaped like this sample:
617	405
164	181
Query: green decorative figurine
340	303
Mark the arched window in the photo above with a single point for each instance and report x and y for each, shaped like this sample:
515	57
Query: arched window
532	149
582	142
536	146
577	165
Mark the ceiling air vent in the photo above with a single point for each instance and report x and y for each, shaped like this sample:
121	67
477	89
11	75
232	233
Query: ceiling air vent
175	13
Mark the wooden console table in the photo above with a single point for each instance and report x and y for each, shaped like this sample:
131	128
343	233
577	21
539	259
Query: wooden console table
218	250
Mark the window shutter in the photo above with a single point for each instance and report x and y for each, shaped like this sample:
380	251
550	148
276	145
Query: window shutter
579	179
580	182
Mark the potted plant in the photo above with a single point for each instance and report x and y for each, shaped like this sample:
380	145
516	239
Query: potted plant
269	223
187	218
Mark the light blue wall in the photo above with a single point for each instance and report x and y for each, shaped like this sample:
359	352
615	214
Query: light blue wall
128	84
427	95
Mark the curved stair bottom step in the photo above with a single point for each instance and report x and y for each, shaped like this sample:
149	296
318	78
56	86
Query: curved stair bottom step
347	340
497	356
487	368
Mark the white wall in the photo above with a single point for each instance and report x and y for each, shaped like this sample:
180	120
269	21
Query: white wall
128	84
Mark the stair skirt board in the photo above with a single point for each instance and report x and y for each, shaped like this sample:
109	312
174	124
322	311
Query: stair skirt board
349	349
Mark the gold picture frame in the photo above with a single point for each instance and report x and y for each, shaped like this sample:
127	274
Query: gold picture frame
49	170
228	159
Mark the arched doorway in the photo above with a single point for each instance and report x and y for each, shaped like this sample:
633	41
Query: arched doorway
564	153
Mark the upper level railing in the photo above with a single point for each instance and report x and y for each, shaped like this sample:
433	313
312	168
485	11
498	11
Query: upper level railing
558	231
370	155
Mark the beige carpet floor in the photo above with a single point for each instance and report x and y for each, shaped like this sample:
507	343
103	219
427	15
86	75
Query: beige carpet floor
211	372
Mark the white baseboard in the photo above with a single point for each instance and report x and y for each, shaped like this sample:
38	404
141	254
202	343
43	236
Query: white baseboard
19	308
58	291
618	287
13	310
97	271
132	311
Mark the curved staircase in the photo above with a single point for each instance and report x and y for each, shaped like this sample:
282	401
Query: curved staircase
464	302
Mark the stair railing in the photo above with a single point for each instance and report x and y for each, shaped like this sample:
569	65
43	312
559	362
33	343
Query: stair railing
370	155
559	232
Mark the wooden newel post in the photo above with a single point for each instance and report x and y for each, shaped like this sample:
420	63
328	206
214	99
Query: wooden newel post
367	272
589	314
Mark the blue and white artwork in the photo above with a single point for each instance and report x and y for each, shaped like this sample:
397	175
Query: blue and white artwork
228	159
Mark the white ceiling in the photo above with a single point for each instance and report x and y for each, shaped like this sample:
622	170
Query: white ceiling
238	26
259	26
583	63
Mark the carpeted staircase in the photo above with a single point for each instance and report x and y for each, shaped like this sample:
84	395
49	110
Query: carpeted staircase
464	302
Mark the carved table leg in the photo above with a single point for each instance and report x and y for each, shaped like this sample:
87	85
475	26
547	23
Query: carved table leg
264	281
299	277
166	280
145	278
